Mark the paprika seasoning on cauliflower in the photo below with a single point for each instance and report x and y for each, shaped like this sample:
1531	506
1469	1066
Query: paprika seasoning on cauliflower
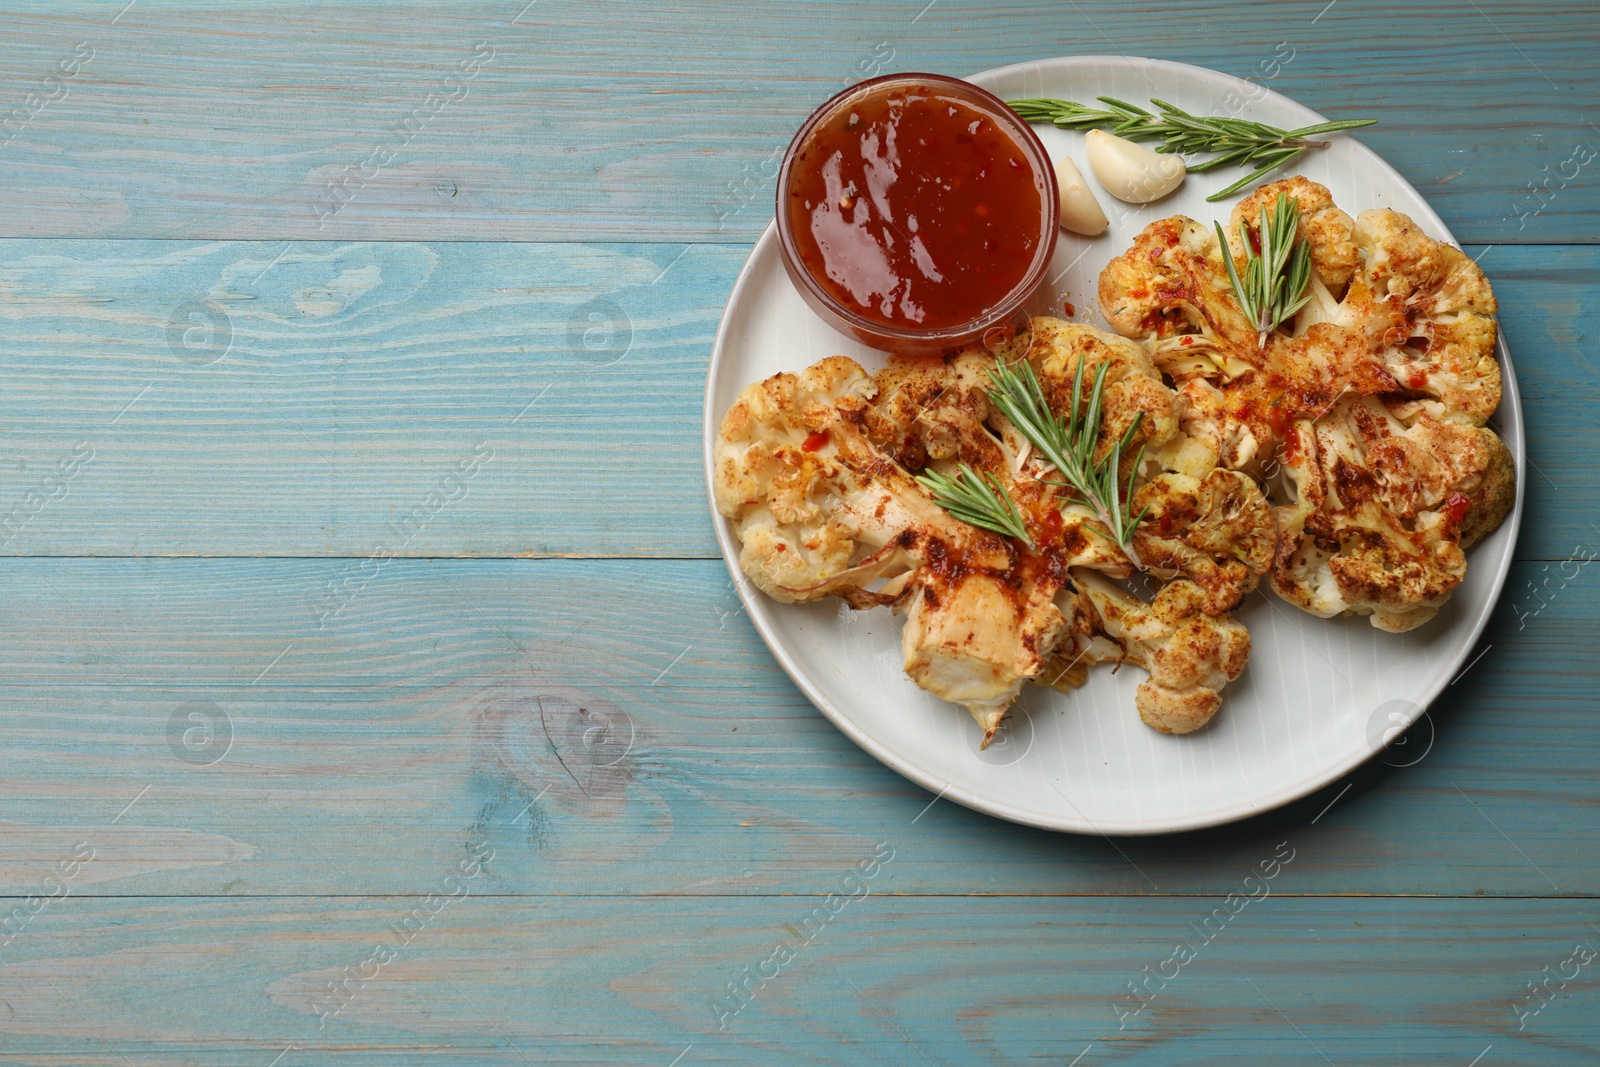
1366	419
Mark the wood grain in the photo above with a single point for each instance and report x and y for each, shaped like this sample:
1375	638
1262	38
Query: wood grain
869	978
620	121
616	728
285	399
322	392
273	290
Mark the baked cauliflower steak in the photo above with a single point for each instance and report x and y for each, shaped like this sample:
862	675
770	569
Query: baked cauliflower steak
1210	526
821	511
1365	421
816	471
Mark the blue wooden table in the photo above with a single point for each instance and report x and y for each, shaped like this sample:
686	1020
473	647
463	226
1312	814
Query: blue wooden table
370	689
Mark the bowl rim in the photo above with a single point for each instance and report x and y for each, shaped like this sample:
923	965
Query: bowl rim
865	329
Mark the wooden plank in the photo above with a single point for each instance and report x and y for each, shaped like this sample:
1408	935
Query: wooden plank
205	119
859	976
616	727
324	391
339	399
1549	326
243	774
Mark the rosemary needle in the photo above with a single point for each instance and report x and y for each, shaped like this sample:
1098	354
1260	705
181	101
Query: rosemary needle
1068	443
1240	142
978	499
1276	281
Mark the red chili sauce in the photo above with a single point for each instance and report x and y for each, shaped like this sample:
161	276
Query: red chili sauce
915	208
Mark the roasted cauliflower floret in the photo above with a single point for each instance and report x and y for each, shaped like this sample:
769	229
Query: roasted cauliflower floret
1431	312
1218	531
820	511
1328	231
1365	422
1213	527
772	481
1190	655
814	505
1383	511
1170	290
934	414
931	410
1133	392
975	641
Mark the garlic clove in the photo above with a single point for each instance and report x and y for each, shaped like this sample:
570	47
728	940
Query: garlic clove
1080	211
1131	172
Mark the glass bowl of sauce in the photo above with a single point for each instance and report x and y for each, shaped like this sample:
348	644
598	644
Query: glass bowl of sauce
916	212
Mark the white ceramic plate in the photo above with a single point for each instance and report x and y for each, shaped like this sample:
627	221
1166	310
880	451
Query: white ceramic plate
1318	698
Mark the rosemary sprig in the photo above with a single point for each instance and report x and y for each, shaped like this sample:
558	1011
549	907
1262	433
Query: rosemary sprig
1276	282
1068	443
1238	141
978	499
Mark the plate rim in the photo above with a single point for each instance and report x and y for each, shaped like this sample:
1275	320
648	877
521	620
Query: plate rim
757	606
